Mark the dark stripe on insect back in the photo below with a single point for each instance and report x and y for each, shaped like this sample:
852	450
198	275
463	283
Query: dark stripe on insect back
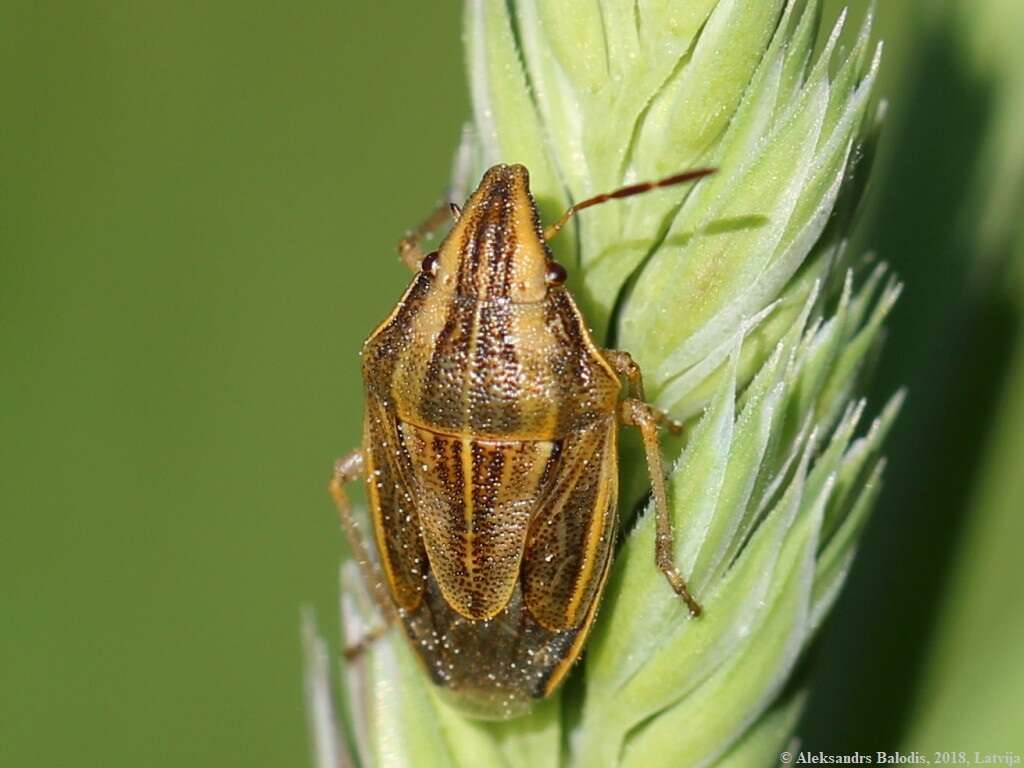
449	472
500	254
493	360
441	396
456	365
488	464
389	340
494	357
495	365
571	366
469	257
486	250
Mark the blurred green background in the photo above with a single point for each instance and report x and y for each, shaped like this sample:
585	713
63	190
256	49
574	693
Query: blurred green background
198	228
201	203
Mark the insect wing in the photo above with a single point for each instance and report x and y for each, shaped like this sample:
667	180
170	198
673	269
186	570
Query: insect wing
573	532
393	509
475	500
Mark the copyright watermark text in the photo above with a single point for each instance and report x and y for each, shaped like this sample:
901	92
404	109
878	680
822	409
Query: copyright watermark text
900	758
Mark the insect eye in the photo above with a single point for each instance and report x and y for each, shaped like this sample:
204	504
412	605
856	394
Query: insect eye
429	263
556	274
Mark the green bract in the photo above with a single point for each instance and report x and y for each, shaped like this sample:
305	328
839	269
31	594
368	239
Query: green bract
751	320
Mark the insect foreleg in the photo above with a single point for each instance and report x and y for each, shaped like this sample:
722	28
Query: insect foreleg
409	247
639	414
346	469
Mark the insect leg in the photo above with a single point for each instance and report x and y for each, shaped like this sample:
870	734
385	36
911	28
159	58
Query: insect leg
409	247
346	469
625	365
371	635
639	414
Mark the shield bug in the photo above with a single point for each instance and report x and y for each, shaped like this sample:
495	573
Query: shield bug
490	454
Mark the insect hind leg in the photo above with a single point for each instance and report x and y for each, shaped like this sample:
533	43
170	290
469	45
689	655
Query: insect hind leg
636	413
372	635
347	469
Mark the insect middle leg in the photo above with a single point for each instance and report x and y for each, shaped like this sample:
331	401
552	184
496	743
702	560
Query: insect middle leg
625	365
346	469
635	412
410	247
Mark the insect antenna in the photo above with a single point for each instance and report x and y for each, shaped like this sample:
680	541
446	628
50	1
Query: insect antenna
628	191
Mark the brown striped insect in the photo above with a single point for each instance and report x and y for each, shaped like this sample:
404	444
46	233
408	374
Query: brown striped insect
490	454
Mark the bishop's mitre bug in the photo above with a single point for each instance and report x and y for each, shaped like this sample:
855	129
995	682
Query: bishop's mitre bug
490	454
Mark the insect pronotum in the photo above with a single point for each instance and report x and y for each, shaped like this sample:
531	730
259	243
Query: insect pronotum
490	454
